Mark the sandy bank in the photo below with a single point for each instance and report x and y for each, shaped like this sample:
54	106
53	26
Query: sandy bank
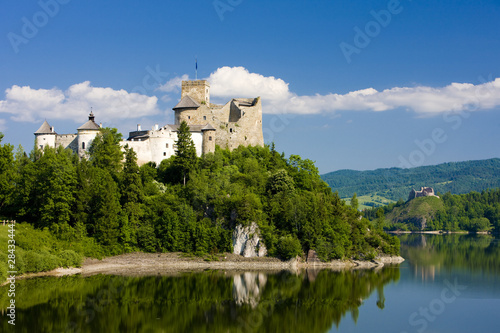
141	264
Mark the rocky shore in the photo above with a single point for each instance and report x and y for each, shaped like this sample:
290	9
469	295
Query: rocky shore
141	264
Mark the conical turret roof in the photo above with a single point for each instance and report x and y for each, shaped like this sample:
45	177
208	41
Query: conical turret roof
90	124
45	129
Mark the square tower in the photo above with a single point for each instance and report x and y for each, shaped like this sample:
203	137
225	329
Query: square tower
199	90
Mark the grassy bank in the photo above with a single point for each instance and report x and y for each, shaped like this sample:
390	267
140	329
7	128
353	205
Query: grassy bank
40	251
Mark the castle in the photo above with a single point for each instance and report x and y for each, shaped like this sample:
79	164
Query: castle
424	192
238	122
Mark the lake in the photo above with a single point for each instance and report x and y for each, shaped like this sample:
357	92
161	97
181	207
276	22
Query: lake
448	283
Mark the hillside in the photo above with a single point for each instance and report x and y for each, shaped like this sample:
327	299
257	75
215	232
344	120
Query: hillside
416	213
471	212
395	183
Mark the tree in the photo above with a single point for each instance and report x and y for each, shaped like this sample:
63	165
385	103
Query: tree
354	202
7	173
185	151
379	224
105	151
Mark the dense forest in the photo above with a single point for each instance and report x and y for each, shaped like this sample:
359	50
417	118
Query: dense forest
187	203
472	212
396	183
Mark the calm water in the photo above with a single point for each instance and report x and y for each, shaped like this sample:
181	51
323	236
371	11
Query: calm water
448	283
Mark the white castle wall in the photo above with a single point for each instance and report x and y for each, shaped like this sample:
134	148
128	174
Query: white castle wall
160	145
43	140
85	138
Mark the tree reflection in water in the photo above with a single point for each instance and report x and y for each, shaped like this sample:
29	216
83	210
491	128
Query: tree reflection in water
311	301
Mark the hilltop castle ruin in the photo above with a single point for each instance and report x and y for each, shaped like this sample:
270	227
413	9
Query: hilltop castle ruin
424	192
238	122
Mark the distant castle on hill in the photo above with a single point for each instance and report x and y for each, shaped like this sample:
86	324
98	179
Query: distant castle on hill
238	122
424	192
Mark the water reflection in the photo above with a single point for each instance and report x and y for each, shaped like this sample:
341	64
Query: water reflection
247	286
310	301
429	254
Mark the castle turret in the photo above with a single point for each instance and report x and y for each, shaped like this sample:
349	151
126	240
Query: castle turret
208	139
86	134
186	110
45	136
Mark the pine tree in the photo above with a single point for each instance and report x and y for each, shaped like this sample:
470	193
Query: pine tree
185	151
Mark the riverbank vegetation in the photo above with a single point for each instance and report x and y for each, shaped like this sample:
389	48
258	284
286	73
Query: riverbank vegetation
185	204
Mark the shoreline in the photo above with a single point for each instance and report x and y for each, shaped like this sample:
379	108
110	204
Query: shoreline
438	232
143	264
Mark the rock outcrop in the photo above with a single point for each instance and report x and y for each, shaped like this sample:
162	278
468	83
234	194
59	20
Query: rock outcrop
247	241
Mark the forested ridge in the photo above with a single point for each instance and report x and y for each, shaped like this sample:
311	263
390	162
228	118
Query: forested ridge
187	203
396	183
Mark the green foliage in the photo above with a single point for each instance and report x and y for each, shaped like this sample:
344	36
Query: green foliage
288	247
395	183
354	202
39	250
107	205
105	151
185	151
472	212
7	174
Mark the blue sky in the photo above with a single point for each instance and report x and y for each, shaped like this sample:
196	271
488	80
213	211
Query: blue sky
348	84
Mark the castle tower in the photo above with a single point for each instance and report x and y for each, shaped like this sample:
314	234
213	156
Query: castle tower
208	139
86	134
199	90
45	136
186	110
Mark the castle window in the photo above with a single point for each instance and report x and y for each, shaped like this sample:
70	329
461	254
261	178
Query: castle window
83	145
189	117
204	117
41	146
209	138
231	130
164	154
167	145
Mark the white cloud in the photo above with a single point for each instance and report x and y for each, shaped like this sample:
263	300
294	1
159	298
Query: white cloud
32	105
173	85
2	125
228	82
232	82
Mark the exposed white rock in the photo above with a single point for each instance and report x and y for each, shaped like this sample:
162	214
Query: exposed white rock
247	242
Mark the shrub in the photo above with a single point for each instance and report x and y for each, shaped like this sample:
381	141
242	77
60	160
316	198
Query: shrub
288	247
70	258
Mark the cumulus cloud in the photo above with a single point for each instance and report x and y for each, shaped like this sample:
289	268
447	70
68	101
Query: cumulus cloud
228	82
32	105
173	85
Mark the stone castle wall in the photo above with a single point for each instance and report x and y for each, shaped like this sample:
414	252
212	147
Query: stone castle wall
199	90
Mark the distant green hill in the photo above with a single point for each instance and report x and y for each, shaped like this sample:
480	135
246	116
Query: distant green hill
395	183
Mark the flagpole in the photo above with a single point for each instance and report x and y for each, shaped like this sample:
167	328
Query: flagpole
196	71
